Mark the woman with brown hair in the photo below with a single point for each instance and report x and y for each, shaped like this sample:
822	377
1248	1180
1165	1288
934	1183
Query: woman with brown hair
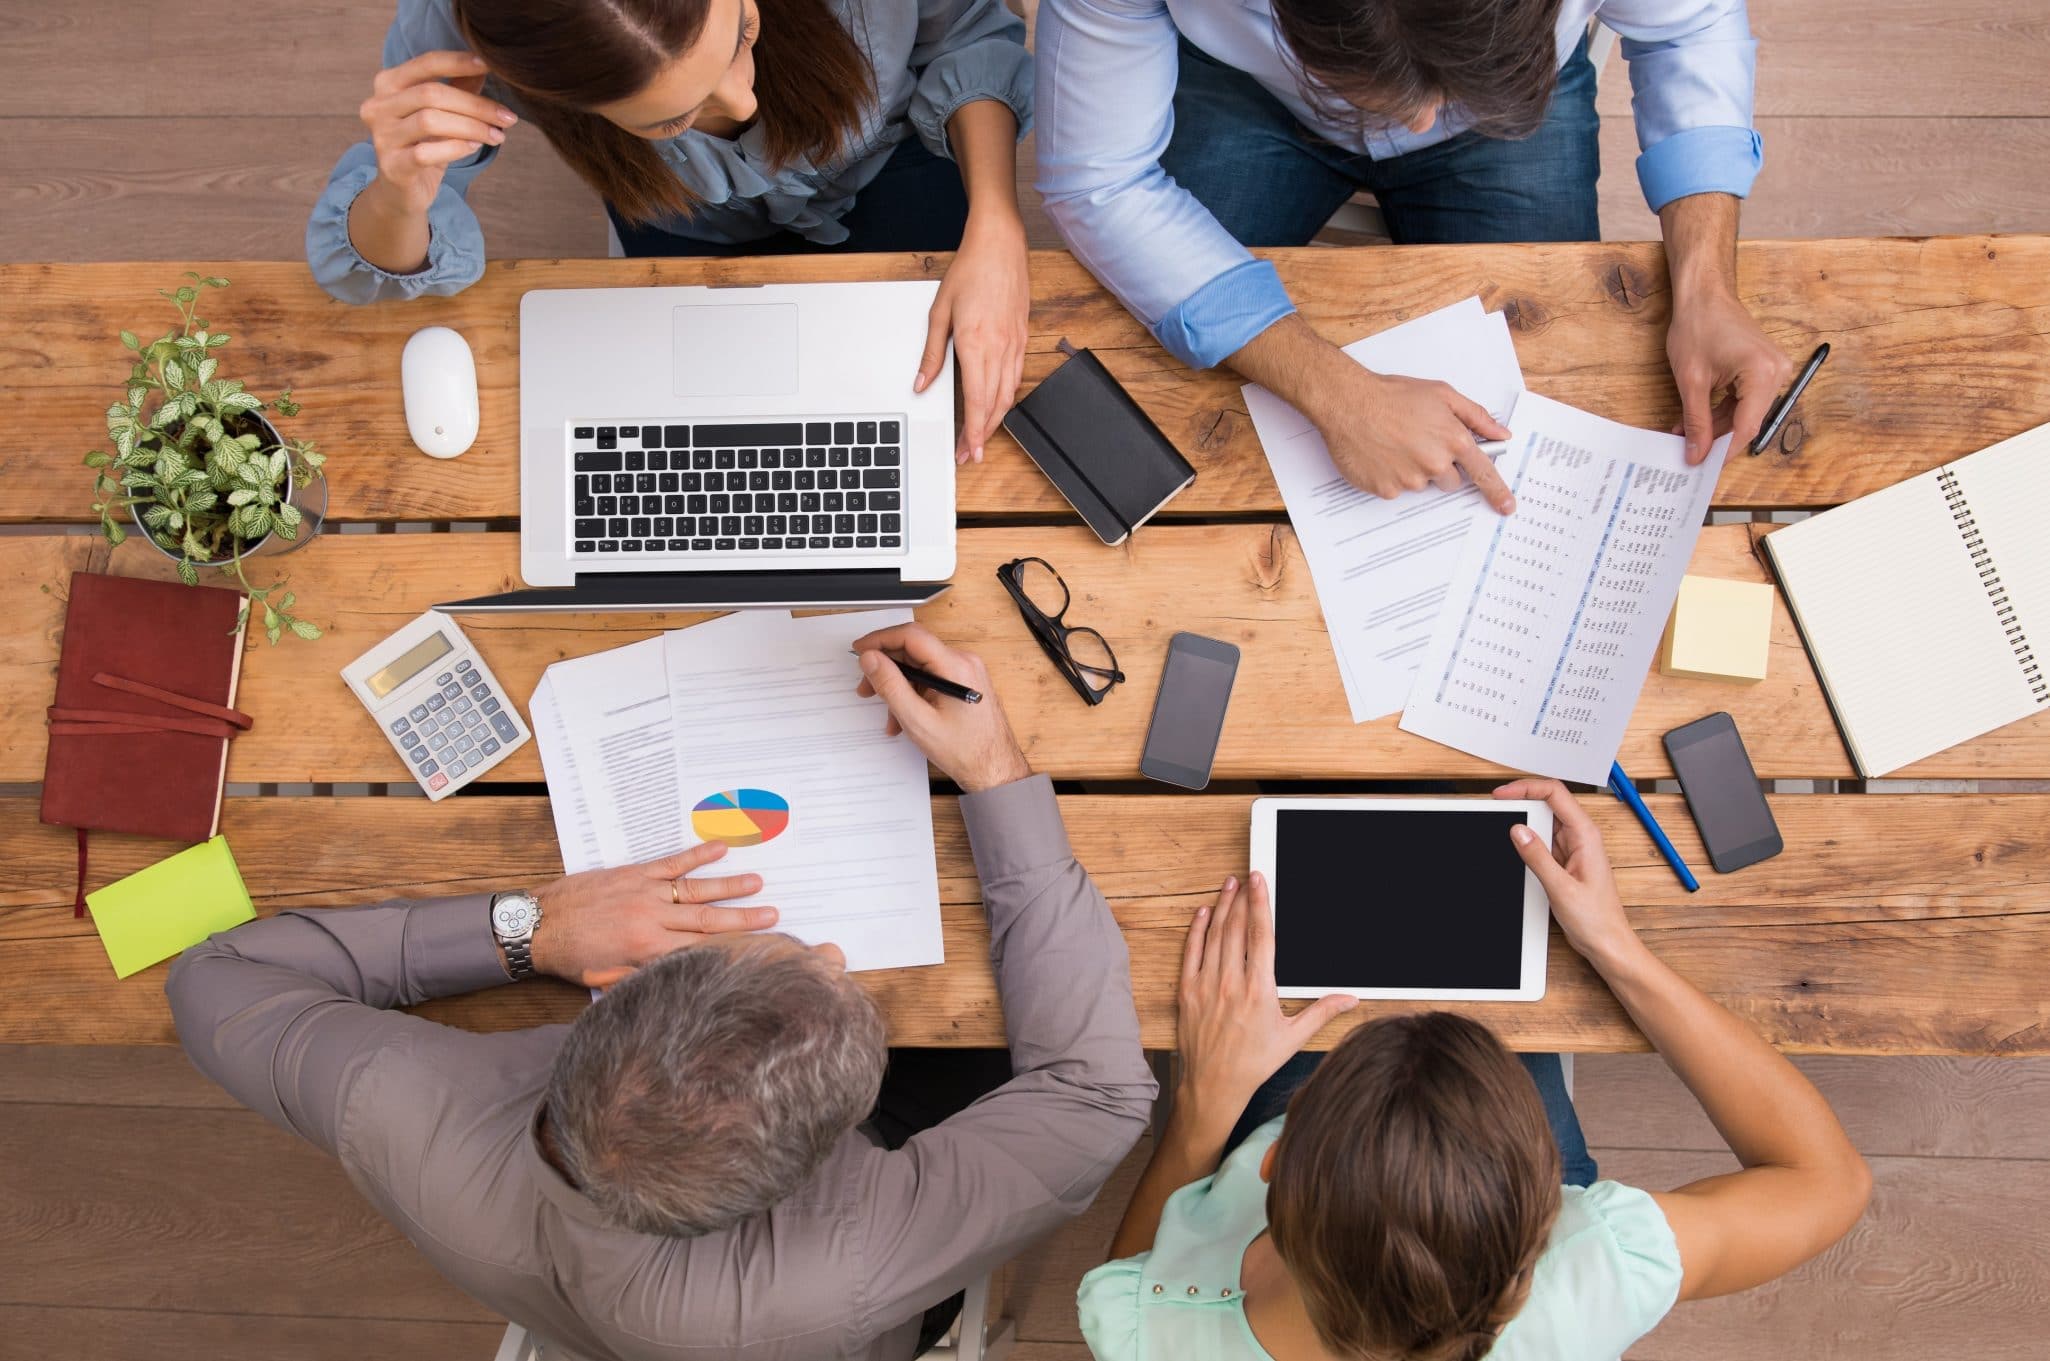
1408	1206
711	127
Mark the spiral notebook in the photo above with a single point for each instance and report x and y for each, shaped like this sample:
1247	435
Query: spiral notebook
1926	606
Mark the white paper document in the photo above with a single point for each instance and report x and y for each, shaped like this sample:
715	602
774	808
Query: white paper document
771	738
1381	566
1554	613
747	730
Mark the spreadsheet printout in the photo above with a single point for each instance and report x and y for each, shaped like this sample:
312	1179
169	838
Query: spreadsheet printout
1555	612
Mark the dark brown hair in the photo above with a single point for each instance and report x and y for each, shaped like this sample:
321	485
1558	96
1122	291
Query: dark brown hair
1415	1183
1496	59
566	57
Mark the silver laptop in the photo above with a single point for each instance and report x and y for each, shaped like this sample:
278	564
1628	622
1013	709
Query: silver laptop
705	448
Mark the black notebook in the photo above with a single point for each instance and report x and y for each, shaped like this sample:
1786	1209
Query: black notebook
1925	605
1094	443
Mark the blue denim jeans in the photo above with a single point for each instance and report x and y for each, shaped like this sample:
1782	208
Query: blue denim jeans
1272	182
1576	1165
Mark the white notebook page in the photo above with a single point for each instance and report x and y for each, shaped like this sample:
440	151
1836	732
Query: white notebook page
2008	489
1900	626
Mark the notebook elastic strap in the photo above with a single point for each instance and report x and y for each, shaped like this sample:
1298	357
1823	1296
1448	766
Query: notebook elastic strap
214	720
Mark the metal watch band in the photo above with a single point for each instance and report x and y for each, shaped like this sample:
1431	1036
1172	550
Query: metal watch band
519	958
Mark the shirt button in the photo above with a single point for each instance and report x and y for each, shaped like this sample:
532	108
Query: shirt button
1226	1292
1157	1289
1192	1290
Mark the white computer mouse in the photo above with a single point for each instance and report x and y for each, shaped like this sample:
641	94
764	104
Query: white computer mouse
439	377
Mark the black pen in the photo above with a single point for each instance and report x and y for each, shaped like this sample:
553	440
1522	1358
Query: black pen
1778	416
918	675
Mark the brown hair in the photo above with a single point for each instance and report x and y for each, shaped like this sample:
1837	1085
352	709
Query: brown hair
566	57
1496	59
1415	1182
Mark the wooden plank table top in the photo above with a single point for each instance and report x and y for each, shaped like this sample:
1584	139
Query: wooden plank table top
1829	947
1940	347
1245	583
1891	924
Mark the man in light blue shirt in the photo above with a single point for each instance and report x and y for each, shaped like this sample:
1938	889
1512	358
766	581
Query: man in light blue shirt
1175	133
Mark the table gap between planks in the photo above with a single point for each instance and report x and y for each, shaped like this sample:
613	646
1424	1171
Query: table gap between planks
1892	924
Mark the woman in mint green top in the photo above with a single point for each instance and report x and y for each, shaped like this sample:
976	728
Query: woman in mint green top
1408	1207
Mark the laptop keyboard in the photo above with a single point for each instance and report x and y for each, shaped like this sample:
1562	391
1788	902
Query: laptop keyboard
769	487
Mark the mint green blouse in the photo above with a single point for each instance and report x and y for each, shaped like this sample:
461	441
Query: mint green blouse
1610	1272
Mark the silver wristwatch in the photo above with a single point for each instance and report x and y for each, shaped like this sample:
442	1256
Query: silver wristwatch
513	919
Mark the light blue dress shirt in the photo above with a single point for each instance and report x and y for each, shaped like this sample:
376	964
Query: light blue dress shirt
1608	1273
929	57
1107	71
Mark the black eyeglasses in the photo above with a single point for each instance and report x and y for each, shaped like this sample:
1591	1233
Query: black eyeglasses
1080	654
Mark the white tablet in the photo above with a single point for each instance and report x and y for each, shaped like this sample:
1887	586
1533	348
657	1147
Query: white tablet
1410	899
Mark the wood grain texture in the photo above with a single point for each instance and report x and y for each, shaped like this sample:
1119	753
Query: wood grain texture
105	1075
1245	583
1942	347
1885	177
148	188
1952	1259
79	1333
1891	59
1903	925
1920	1107
197	1210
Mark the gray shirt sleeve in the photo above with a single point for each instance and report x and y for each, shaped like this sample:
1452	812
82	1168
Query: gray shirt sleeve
284	1012
966	50
455	243
963	1197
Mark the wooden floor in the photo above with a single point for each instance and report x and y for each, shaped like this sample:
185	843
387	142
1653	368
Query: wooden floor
143	1214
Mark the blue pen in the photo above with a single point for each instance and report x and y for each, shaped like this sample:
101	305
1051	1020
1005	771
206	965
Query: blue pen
1622	788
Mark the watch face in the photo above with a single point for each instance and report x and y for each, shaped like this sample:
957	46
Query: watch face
513	916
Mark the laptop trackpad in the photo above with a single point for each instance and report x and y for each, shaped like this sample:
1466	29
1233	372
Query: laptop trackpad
736	350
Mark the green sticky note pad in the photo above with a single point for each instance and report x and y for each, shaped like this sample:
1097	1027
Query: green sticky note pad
174	904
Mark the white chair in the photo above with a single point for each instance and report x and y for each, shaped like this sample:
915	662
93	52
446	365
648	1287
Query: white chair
974	1337
1361	216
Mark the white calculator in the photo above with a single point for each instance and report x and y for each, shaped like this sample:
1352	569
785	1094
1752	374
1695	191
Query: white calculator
439	705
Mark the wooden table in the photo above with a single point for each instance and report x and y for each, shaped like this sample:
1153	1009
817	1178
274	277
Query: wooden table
1892	924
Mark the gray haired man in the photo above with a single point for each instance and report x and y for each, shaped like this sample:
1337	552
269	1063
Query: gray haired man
687	1169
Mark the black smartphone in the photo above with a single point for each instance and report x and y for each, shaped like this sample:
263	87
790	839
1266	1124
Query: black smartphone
1188	713
1723	793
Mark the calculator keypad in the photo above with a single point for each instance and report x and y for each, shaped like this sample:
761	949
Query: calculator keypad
455	730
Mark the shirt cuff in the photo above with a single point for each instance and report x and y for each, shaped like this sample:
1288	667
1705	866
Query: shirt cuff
449	948
340	268
1218	319
995	68
1718	160
1015	827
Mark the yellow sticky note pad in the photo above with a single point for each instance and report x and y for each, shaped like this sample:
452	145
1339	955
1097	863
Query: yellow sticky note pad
176	903
1720	630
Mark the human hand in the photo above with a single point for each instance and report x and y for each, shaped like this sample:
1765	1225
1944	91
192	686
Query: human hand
426	114
1575	872
971	743
1230	1028
599	926
1389	435
984	303
1714	345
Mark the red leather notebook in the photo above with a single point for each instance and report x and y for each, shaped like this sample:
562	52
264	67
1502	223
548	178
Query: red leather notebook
144	708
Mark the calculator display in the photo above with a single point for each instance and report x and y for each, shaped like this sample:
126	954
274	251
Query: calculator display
402	669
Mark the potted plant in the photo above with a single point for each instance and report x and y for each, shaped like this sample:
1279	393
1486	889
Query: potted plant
198	468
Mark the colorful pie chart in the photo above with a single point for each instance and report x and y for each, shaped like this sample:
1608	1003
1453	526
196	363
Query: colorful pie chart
740	817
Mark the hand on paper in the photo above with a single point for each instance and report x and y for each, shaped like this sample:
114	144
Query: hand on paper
599	926
971	743
1389	435
1231	1030
1575	872
1715	346
984	302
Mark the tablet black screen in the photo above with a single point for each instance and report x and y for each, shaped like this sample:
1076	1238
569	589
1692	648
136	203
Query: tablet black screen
1391	898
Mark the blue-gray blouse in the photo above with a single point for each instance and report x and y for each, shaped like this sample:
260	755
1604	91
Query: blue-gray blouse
930	57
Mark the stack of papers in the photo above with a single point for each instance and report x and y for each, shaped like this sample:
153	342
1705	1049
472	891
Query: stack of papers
1522	639
747	730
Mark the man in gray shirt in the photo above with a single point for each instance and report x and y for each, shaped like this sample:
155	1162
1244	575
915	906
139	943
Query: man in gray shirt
681	1172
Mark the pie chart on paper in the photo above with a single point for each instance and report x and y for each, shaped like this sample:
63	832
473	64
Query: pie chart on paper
740	817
